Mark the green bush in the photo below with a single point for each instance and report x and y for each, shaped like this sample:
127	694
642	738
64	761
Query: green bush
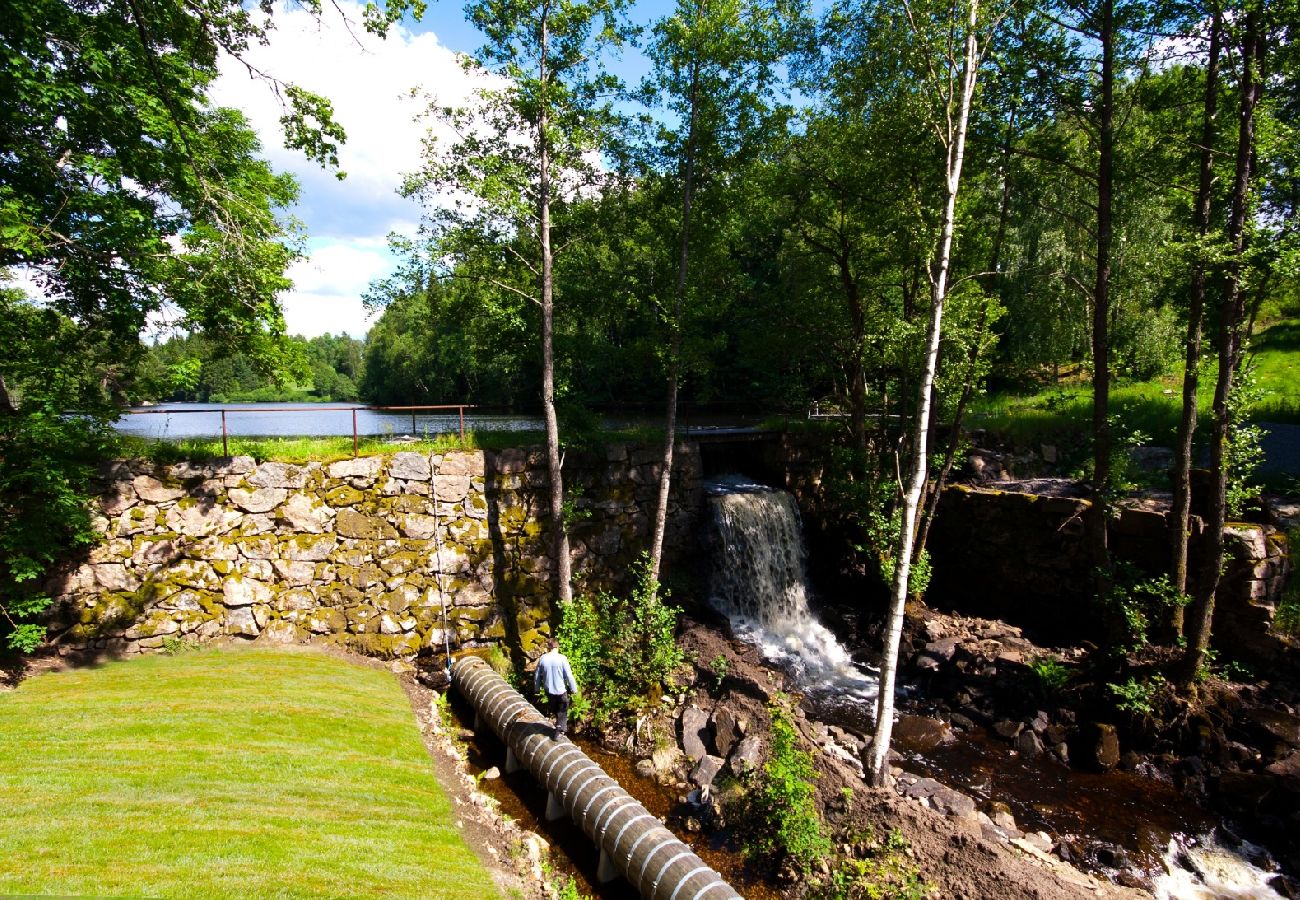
623	650
1051	673
779	812
1136	696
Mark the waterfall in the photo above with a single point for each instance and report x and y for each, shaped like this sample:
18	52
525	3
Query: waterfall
760	584
1206	869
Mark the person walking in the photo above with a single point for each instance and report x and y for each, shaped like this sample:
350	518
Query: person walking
556	675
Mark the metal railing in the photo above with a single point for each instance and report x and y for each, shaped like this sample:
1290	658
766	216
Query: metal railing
225	444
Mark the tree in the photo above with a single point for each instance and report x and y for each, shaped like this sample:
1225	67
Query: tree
123	192
714	68
950	87
525	150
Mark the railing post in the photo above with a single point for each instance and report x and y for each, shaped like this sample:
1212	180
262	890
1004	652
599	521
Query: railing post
461	410
354	431
412	423
225	447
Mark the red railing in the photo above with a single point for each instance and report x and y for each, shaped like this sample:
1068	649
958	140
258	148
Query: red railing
225	447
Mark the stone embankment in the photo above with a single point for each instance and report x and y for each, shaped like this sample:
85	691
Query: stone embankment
384	555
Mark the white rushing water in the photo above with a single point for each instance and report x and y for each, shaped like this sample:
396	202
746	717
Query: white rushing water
759	583
1204	869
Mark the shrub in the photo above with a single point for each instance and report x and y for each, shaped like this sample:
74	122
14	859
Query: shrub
623	650
1137	697
1051	673
779	813
878	871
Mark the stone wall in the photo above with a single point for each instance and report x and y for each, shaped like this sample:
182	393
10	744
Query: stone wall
361	552
1022	557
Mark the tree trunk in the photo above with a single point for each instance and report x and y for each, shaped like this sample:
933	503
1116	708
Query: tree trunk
675	348
1180	516
878	767
1099	512
563	584
1201	612
968	389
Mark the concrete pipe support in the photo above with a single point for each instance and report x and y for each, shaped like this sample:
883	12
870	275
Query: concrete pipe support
630	839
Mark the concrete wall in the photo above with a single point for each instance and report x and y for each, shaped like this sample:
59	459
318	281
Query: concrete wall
359	552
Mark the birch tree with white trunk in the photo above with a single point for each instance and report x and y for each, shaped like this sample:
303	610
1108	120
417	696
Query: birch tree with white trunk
947	45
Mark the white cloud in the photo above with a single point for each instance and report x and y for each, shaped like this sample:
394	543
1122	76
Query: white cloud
369	81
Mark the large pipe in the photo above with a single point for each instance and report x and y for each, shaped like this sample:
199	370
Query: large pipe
631	840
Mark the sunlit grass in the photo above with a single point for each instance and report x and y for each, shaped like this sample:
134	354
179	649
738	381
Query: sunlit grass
223	774
1150	407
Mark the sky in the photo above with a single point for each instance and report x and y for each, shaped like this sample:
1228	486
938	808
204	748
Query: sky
370	81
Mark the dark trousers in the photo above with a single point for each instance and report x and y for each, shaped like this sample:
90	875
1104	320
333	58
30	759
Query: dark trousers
559	706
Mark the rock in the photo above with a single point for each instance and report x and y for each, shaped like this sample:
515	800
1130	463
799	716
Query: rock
1002	817
471	463
957	720
278	475
365	467
409	466
706	770
645	768
921	734
746	755
1105	746
1007	728
491	774
1029	744
953	804
259	500
114	577
238	591
241	621
154	491
200	519
726	730
1279	726
306	513
1287	769
294	573
695	732
303	548
279	632
451	488
664	760
119	497
352	524
418	527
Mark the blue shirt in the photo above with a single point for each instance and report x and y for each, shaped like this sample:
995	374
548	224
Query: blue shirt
554	672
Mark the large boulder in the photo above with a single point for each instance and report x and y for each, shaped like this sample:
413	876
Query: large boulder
695	732
409	466
152	490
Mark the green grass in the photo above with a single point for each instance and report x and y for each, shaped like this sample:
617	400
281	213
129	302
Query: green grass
292	449
223	773
1151	407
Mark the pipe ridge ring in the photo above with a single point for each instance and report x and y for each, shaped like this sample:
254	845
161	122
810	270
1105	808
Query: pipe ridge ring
581	757
595	825
592	799
624	796
618	837
565	792
564	749
672	839
645	834
687	877
666	866
711	885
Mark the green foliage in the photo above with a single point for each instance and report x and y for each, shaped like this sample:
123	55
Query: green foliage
175	644
719	666
1242	453
1052	675
1134	602
877	870
623	649
1287	618
779	815
1138	697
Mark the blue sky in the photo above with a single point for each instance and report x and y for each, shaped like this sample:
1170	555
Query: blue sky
370	83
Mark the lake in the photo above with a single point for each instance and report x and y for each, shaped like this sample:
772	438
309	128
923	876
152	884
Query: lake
173	421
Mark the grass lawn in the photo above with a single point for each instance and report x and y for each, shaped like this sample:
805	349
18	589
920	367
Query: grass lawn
225	773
